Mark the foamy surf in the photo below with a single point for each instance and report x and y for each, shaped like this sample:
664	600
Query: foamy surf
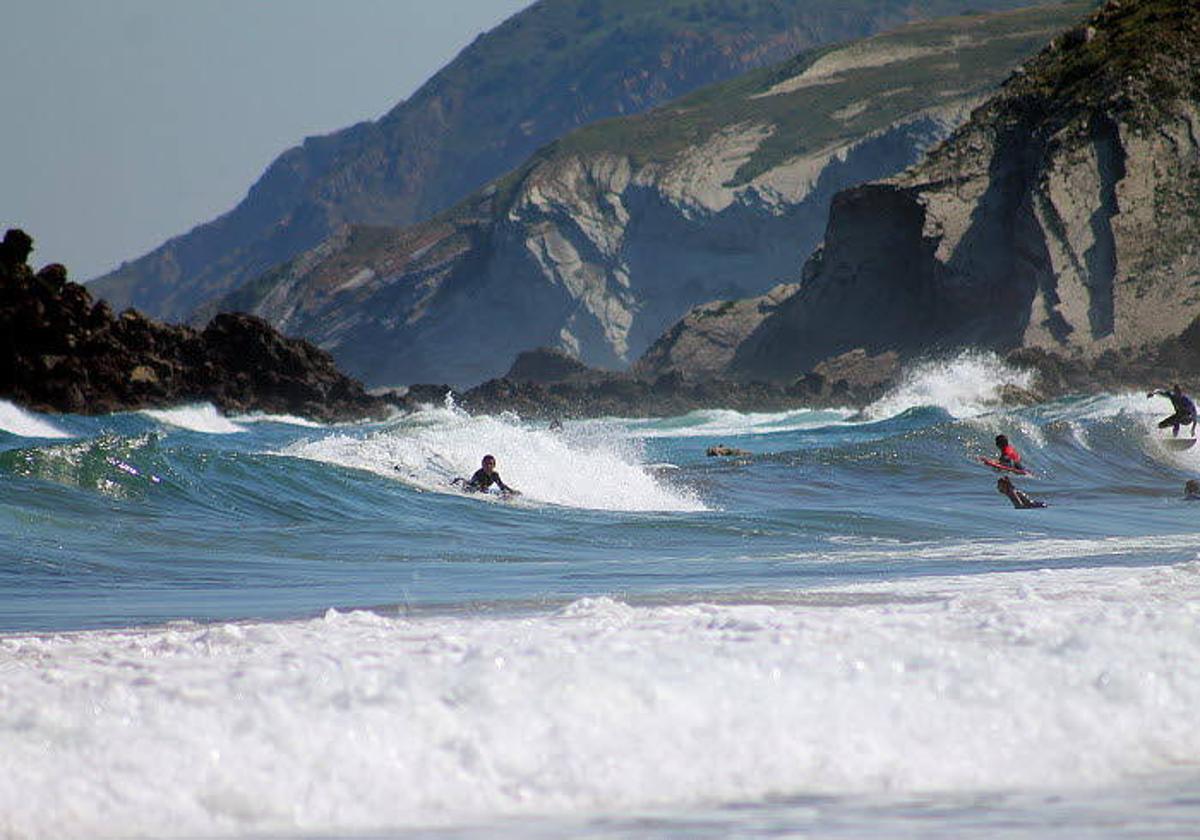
583	466
277	419
202	418
966	386
17	421
716	423
360	722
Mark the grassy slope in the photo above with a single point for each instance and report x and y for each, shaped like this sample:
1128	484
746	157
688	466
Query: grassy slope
804	119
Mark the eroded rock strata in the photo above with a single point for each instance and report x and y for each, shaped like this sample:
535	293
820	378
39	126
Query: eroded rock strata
606	237
1062	220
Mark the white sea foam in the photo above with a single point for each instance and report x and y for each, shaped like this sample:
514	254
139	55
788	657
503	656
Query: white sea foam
196	418
966	386
1027	549
364	723
713	423
583	466
17	421
280	419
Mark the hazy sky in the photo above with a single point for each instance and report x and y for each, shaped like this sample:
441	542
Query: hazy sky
126	122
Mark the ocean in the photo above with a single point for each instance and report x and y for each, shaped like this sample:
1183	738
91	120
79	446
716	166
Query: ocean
262	627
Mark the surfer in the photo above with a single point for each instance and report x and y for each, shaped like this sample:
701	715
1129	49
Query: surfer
484	478
1191	490
1021	501
1009	456
1185	410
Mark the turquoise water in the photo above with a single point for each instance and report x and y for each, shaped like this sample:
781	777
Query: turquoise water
259	626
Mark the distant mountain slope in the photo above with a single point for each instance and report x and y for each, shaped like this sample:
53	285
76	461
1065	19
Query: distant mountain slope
1065	216
556	66
604	238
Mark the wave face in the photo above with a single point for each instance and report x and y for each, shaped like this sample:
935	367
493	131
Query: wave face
845	631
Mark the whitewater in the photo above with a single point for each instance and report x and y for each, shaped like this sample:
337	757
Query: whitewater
259	626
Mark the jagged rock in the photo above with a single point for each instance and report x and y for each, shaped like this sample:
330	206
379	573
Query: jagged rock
549	69
1062	217
61	352
702	343
545	365
603	239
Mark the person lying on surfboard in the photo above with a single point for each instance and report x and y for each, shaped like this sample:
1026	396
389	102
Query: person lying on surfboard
1009	456
1185	410
1020	501
1191	490
484	478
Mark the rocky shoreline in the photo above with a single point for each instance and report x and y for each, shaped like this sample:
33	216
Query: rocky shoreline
544	384
61	352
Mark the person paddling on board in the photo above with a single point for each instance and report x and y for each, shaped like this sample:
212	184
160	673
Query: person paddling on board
484	478
1191	490
1021	501
1185	410
1009	456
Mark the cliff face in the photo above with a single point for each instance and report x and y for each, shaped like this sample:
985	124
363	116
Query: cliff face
1063	217
607	236
557	65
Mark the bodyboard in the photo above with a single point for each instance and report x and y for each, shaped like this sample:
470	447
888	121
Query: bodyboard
996	465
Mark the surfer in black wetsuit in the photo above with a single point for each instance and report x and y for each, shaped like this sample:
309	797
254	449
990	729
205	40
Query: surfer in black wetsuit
1185	410
1021	501
1191	490
484	478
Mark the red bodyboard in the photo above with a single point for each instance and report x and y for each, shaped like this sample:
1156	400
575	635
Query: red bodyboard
996	465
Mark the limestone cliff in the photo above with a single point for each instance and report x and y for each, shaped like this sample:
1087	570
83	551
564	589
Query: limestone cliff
557	65
606	237
1064	216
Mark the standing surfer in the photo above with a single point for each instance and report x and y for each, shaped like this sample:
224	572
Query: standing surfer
1185	410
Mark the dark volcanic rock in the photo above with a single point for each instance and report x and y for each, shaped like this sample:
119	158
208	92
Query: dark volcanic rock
556	388
545	365
61	352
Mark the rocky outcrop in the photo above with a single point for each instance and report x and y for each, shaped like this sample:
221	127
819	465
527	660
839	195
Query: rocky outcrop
61	352
1063	218
702	343
608	236
551	68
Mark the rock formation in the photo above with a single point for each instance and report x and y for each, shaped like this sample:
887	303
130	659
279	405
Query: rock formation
553	67
60	352
1062	221
608	236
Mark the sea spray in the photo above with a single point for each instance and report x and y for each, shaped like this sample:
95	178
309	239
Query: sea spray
592	466
202	417
965	386
361	722
17	421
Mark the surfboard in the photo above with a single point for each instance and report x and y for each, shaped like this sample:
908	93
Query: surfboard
996	465
1179	443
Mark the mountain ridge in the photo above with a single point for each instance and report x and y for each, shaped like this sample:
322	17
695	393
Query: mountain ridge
550	68
604	237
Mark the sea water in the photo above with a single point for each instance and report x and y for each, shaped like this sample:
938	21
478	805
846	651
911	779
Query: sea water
258	626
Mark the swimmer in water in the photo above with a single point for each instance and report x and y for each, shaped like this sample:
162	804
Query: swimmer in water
1021	501
484	478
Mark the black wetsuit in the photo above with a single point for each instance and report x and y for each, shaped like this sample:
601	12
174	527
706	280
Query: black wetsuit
482	481
1185	411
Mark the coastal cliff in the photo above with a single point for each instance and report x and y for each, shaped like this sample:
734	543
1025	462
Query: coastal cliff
606	237
553	67
1060	222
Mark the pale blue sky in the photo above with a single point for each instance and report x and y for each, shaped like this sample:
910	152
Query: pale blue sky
126	122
